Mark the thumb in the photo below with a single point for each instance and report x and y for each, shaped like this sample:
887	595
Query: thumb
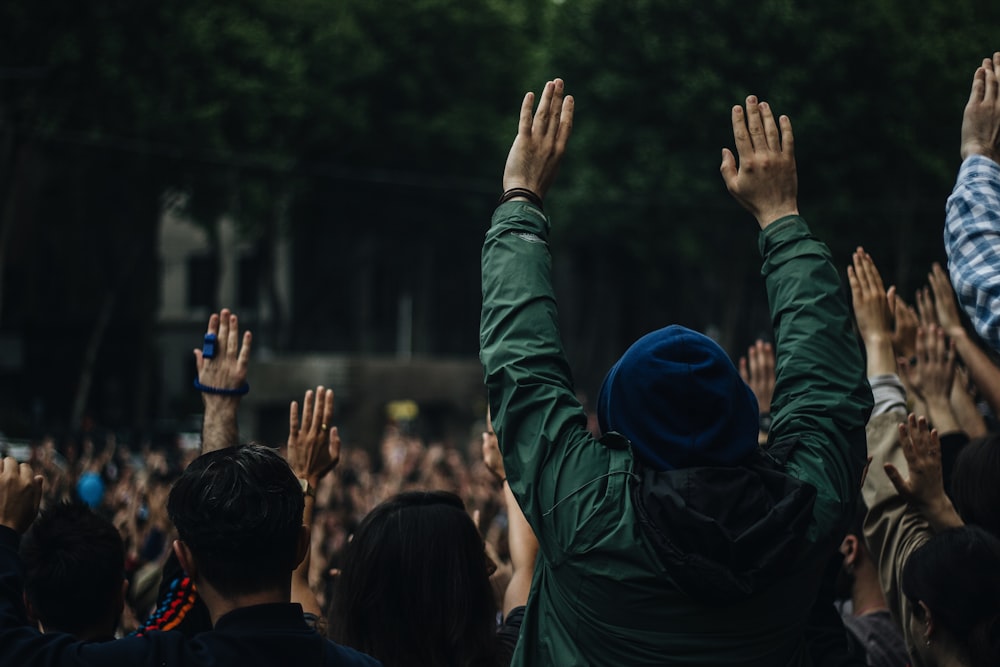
902	488
728	168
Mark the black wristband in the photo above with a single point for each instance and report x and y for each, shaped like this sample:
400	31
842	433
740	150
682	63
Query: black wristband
522	192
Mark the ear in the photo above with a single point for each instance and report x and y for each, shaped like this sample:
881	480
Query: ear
302	548
849	548
928	620
186	559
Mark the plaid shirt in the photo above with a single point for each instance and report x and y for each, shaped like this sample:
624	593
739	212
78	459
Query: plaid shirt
972	239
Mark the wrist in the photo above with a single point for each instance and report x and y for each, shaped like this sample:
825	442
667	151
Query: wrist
767	217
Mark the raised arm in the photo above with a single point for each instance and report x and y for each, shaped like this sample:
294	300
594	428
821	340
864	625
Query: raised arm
757	370
972	223
313	451
522	540
821	400
222	379
540	424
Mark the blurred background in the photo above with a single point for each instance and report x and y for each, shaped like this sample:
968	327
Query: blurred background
327	168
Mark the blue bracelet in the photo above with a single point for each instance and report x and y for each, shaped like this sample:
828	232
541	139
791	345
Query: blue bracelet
239	391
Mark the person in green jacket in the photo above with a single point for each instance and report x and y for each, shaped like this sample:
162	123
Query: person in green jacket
674	539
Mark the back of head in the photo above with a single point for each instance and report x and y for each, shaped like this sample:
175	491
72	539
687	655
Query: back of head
239	511
74	566
414	588
680	401
974	487
957	575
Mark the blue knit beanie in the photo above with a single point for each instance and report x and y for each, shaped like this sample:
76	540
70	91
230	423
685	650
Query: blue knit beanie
680	401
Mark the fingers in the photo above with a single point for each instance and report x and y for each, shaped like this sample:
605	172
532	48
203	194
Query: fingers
744	146
755	124
307	410
555	107
223	334
540	122
565	124
990	91
233	337
244	358
901	485
978	86
890	297
771	134
925	307
327	405
318	416
334	445
524	121
872	276
761	360
293	419
728	168
787	138
744	373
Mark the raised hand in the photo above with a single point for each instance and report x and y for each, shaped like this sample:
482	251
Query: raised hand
933	375
905	325
222	364
925	308
765	182
313	445
924	487
541	140
945	305
871	312
20	494
981	121
757	370
491	451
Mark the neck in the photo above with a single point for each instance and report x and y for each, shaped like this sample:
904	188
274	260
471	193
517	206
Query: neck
220	605
866	593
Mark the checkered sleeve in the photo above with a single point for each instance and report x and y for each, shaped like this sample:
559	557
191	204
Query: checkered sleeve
972	240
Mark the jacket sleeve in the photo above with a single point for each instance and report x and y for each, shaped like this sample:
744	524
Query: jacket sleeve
972	239
893	530
561	476
821	397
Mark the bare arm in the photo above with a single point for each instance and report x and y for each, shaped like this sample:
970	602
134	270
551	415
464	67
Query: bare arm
757	370
222	376
872	313
313	451
982	371
520	536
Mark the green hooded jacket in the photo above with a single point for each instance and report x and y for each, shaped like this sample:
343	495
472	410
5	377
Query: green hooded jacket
643	568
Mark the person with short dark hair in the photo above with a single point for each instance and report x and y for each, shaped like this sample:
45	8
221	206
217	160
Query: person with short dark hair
74	572
238	512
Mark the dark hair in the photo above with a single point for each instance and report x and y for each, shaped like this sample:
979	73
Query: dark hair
74	566
974	488
239	510
414	588
957	575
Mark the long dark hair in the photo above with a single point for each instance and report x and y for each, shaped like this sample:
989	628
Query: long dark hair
957	575
414	588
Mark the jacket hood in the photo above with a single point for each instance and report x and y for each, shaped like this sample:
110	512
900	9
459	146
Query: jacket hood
678	398
725	532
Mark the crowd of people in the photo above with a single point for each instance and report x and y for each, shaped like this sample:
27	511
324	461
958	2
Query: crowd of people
829	499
